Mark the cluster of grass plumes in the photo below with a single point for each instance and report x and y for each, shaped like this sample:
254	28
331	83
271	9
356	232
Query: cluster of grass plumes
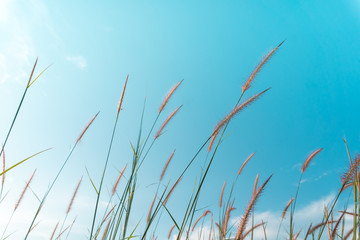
114	222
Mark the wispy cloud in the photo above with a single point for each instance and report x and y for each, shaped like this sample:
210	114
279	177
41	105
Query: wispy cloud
78	61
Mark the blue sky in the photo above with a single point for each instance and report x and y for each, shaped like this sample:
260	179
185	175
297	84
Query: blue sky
214	46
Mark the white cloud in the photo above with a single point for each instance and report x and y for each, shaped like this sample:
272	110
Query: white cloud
79	61
304	216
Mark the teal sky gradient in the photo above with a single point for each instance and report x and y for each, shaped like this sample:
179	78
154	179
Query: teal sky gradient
214	46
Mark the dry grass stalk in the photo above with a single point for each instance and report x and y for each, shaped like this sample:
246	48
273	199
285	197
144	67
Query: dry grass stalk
248	82
249	209
86	127
227	218
236	110
286	208
73	197
327	222
349	213
166	165
3	167
118	180
166	122
206	212
106	229
253	228
171	229
24	190
308	160
333	234
168	96
122	97
150	210
245	162
53	233
171	191
347	176
222	193
213	137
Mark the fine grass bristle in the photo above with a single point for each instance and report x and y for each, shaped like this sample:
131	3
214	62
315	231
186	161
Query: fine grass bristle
159	132
87	126
166	165
73	196
118	180
168	96
122	97
308	160
245	162
24	190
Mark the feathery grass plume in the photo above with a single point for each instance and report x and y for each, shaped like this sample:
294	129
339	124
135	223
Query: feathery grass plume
245	162
150	210
166	122
171	229
213	137
166	165
253	228
236	110
227	218
348	175
168	96
171	191
206	212
73	197
106	229
34	226
249	209
255	184
222	193
24	190
317	226
308	160
118	180
122	97
297	235
53	233
248	82
87	126
333	233
286	208
327	222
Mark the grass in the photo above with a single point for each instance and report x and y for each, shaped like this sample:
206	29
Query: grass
116	221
